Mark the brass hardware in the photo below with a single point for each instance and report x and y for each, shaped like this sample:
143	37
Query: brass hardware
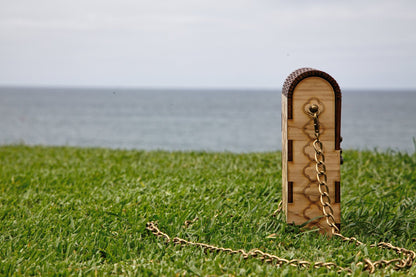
313	108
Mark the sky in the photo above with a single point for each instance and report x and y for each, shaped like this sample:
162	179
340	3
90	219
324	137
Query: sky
248	44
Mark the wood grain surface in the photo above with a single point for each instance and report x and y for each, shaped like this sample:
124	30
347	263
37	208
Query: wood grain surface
298	163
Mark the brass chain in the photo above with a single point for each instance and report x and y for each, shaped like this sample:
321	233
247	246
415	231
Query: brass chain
406	261
254	253
320	168
409	256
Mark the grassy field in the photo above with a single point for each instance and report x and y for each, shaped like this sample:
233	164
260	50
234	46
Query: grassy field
78	211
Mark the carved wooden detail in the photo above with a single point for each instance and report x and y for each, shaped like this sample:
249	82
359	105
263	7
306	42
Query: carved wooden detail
301	202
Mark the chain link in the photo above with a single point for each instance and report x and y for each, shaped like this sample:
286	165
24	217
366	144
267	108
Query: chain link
408	256
254	253
321	176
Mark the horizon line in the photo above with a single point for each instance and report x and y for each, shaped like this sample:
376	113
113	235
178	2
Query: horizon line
187	88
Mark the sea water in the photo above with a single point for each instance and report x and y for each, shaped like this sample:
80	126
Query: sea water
201	120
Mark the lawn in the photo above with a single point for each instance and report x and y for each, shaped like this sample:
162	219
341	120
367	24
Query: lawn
72	211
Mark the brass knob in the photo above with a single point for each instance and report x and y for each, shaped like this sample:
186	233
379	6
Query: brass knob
313	108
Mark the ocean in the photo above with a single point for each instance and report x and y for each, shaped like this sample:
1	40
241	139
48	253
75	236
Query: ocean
200	120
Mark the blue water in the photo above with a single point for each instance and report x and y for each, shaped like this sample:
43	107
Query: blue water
209	120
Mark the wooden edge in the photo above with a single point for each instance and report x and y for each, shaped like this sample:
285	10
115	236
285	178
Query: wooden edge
296	77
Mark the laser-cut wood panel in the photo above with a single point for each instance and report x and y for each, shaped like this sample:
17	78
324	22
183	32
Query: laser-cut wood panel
303	88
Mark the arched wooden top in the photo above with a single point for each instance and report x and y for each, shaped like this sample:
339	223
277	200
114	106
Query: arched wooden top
298	75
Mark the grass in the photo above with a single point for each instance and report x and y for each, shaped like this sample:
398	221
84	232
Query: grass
72	211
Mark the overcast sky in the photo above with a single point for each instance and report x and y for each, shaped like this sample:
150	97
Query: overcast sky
206	43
